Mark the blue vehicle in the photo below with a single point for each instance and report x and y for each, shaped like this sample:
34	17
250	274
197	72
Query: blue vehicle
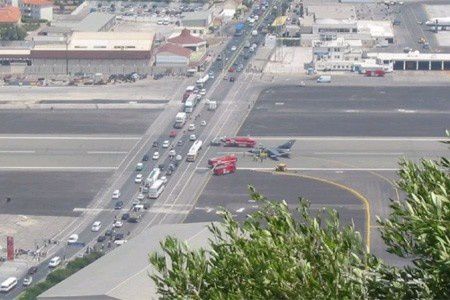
239	29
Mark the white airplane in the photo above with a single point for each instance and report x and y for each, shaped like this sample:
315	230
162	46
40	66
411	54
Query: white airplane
440	23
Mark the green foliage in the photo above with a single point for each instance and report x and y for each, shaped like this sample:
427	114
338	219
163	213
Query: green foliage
419	227
11	32
277	260
59	275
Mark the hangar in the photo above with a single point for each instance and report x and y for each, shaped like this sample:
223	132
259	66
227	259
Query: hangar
414	61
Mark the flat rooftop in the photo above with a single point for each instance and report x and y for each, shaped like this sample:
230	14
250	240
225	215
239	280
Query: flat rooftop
94	22
330	11
412	56
376	28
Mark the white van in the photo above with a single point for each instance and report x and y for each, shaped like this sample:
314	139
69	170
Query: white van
8	284
324	79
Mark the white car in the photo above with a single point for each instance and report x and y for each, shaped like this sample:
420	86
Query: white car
120	242
191	127
27	280
54	262
116	194
140	197
166	144
118	224
155	155
192	137
233	48
164	179
172	153
72	239
203	123
203	92
138	178
178	158
96	226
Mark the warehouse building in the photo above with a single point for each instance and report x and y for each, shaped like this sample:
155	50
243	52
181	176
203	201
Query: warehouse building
414	61
124	272
198	22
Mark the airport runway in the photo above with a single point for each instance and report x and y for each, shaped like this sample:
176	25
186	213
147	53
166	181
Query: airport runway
57	152
350	111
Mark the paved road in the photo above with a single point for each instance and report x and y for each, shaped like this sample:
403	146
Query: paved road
350	111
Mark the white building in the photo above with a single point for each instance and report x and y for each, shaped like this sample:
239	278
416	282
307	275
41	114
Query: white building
37	9
336	55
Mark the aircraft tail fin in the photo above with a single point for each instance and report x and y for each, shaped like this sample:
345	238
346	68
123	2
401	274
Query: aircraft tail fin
287	145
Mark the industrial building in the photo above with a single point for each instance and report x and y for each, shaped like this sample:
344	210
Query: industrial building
124	272
198	22
413	61
87	52
173	56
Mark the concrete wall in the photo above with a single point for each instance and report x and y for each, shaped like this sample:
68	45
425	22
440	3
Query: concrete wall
107	67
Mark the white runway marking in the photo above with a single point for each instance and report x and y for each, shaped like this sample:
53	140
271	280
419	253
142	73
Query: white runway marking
360	153
16	151
32	137
107	152
311	169
29	168
350	138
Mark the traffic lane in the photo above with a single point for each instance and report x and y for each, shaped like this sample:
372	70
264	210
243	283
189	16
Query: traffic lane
48	193
231	192
76	121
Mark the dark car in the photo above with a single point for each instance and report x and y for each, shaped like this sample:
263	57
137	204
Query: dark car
161	167
231	79
147	204
155	144
180	143
169	172
101	239
118	236
172	133
118	205
109	232
145	157
32	270
133	220
125	216
171	167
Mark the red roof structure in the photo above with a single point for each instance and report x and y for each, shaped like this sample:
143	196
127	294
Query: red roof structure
10	15
186	38
175	49
37	2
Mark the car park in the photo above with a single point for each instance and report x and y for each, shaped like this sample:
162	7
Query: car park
138	178
116	194
118	205
72	239
54	262
96	226
155	155
166	144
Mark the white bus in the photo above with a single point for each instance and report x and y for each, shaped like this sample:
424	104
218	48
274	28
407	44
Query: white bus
153	176
193	151
8	284
156	189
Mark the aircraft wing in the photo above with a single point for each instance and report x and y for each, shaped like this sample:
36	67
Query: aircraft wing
273	153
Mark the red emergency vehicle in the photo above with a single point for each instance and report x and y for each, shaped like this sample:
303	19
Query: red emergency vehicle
239	142
224	168
222	159
375	73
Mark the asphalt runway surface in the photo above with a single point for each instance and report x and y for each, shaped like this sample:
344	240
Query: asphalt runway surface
350	111
231	192
75	121
48	193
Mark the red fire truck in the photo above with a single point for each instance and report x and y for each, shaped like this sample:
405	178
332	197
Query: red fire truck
375	73
224	168
221	160
239	142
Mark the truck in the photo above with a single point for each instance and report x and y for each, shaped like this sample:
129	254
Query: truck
324	79
201	82
225	168
239	29
190	103
180	120
194	150
156	189
153	176
222	160
239	142
212	105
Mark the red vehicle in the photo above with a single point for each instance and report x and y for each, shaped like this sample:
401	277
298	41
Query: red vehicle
375	73
239	142
222	160
185	96
173	133
231	69
225	168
